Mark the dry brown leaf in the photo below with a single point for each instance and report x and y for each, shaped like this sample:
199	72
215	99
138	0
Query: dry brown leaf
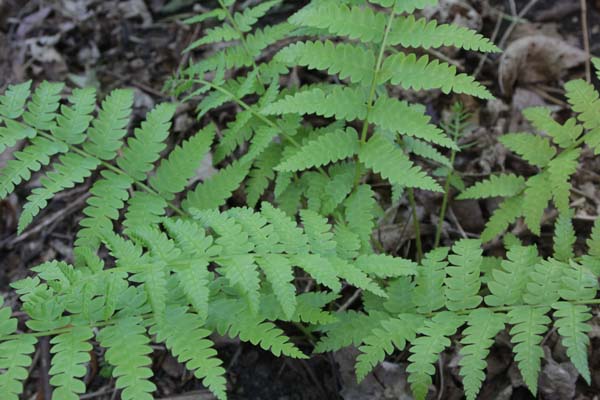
535	59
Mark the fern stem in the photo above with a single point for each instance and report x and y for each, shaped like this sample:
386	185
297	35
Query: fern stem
236	27
445	200
116	170
416	224
371	99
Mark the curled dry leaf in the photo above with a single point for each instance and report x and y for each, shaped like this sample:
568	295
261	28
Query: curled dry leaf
536	58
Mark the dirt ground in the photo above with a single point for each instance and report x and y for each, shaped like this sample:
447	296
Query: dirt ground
138	43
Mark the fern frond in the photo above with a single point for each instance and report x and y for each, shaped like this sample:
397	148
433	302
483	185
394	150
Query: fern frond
12	102
508	285
564	238
429	293
463	282
329	147
477	339
391	334
108	196
15	359
426	348
341	102
246	19
544	282
355	22
215	191
73	121
407	119
534	149
262	174
144	148
346	60
386	159
529	324
563	135
506	213
174	172
71	169
28	160
420	73
559	172
572	327
128	347
360	213
184	336
13	132
411	32
384	266
535	200
405	6
279	273
505	185
41	110
109	127
584	100
71	350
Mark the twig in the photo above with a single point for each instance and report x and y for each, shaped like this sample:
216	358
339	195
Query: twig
513	24
45	367
586	40
351	300
484	56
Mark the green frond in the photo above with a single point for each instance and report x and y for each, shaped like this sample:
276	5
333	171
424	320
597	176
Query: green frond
463	282
279	273
411	32
221	33
144	209
188	341
142	150
477	339
71	169
236	132
563	135
528	326
12	102
13	132
360	214
245	20
420	73
341	102
572	327
584	100
31	159
262	38
508	285
535	199
425	150
73	122
388	160
544	282
578	283
506	213
110	126
354	22
289	234
318	232
391	334
175	171
15	360
262	174
108	195
41	110
559	172
593	242
71	352
505	185
351	327
426	348
320	268
233	319
407	119
405	6
128	347
564	238
346	60
429	293
384	266
324	149
534	149
215	191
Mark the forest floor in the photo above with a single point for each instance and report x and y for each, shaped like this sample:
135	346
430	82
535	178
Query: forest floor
139	43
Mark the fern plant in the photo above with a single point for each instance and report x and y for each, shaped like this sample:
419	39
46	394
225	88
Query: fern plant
555	153
179	273
322	165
